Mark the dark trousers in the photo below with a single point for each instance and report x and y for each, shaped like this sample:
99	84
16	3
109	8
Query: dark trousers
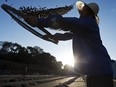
100	81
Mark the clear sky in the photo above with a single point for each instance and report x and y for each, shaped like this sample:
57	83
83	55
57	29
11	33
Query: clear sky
11	31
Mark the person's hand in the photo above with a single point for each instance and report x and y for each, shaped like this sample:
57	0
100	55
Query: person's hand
51	37
31	20
54	38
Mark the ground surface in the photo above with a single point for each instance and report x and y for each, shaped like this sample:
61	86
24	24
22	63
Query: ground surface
42	81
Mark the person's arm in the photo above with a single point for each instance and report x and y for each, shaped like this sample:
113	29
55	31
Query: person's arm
65	23
78	25
60	36
64	36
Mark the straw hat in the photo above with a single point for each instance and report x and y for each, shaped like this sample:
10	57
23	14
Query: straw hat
93	6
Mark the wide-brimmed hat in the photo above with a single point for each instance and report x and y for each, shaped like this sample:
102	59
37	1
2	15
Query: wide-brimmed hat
93	6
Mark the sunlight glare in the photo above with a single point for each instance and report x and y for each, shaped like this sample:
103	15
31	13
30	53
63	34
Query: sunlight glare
67	58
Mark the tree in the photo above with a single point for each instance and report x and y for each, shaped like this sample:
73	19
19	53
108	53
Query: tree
32	57
40	50
6	47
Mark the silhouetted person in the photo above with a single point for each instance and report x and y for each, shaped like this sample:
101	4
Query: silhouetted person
91	57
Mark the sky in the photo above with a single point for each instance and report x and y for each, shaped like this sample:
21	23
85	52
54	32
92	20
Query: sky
12	32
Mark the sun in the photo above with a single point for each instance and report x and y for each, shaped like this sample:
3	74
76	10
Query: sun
67	58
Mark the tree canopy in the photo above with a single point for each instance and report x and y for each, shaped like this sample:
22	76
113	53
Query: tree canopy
29	56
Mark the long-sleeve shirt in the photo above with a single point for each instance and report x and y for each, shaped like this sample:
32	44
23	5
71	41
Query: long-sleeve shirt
91	57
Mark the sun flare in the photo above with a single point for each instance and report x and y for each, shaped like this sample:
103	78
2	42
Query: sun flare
67	58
